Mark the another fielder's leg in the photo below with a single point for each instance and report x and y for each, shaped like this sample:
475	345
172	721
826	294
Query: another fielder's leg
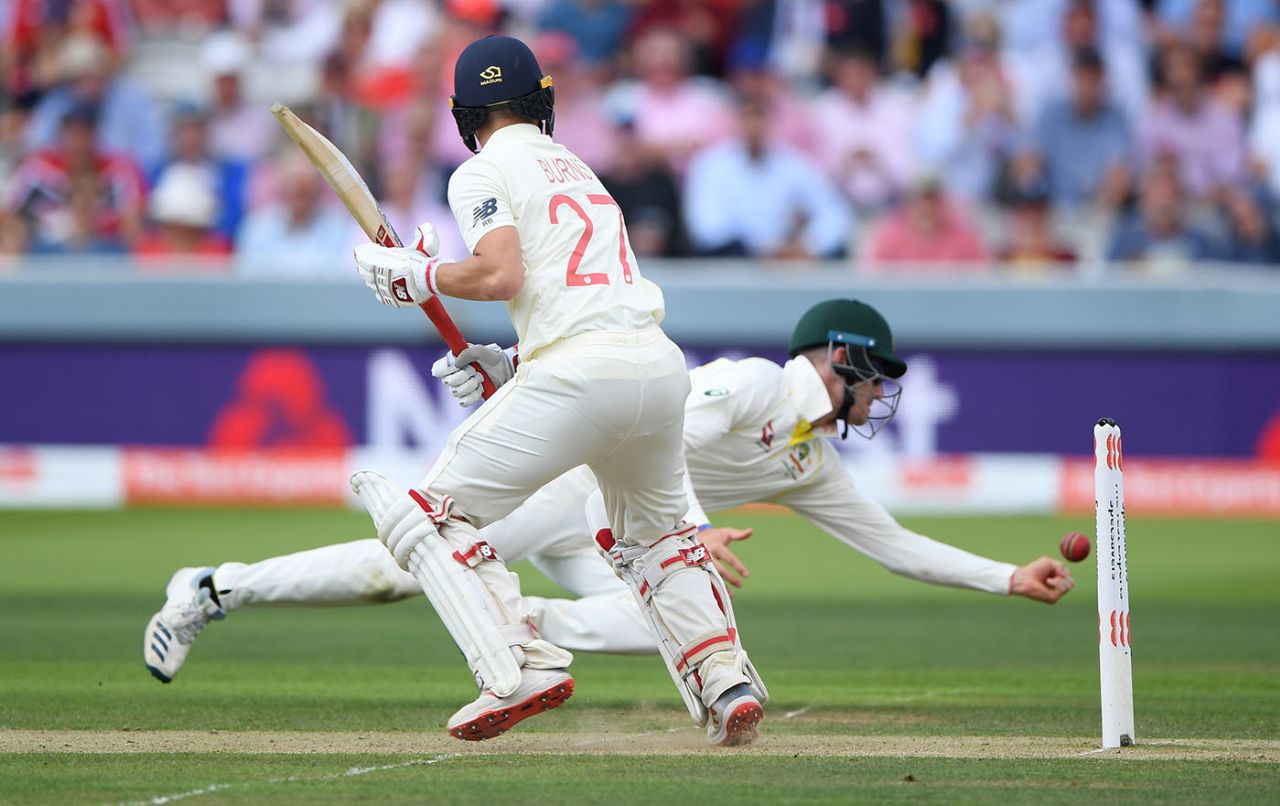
359	572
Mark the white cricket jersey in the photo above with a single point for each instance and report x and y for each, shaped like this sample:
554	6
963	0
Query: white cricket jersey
747	429
580	274
749	437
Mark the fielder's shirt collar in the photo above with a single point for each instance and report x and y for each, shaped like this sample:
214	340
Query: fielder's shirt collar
807	389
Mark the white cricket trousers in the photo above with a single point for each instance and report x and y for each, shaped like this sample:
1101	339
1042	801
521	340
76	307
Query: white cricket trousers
614	402
611	401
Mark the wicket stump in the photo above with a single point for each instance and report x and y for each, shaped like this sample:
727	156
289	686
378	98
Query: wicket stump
1115	654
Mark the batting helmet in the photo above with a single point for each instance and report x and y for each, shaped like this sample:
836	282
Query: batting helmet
499	72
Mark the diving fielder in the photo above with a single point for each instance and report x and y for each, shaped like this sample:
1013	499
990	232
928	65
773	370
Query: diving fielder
754	431
597	383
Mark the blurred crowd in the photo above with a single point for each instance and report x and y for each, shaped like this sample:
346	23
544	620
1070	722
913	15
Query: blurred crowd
942	136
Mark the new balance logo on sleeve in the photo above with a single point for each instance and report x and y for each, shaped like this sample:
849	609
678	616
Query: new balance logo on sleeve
484	210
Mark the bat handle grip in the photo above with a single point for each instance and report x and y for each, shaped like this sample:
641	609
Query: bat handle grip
434	309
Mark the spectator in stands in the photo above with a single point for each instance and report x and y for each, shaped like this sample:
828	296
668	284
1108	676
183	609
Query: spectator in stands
861	26
865	132
185	18
14	114
184	213
1042	75
1039	24
1207	34
1159	234
189	145
672	113
288	31
1252	229
238	129
35	31
1264	128
706	29
1031	242
596	27
966	127
1187	123
790	116
1240	19
300	234
646	191
752	197
582	124
927	231
922	35
1084	142
128	121
74	197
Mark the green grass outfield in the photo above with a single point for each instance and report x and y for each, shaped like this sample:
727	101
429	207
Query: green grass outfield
883	689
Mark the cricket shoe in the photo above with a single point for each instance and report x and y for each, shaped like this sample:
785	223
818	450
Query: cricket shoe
734	718
192	602
539	690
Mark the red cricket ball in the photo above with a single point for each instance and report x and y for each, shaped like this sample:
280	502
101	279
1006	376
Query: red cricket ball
1074	546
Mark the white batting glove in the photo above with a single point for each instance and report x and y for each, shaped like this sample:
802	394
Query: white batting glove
401	276
459	375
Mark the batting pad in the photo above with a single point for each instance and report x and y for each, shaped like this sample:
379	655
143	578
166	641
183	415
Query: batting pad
468	609
647	570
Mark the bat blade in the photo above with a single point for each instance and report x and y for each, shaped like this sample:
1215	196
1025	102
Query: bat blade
342	176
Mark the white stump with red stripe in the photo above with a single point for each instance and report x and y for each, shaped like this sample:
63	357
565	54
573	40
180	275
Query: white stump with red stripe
1114	650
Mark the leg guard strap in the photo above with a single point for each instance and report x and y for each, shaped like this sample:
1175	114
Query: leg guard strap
701	648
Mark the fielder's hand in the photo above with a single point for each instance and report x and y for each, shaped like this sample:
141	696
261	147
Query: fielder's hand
459	375
717	540
401	276
1045	580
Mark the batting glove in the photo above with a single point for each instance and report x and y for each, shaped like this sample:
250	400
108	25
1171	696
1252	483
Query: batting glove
401	276
459	375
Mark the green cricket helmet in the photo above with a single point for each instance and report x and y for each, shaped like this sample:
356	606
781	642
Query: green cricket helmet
868	355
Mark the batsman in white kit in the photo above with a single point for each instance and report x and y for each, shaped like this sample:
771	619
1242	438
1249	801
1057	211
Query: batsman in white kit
754	431
596	383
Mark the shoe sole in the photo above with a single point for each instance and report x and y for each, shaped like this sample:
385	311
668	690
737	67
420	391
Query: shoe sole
741	726
159	675
500	720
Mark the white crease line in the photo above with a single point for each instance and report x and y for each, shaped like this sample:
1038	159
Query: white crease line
351	773
794	714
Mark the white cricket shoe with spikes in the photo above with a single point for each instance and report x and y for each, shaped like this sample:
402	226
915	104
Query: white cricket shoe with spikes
539	690
733	719
192	602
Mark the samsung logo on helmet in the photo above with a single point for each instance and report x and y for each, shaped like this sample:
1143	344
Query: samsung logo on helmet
491	75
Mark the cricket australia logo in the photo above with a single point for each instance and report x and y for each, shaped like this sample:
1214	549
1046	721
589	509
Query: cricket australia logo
484	211
798	461
491	75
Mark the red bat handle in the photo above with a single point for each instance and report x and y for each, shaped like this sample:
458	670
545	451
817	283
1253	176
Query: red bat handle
434	309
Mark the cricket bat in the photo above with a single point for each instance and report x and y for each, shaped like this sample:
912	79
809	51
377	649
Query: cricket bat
345	180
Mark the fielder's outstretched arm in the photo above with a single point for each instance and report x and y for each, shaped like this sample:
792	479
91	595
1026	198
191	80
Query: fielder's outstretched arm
836	505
